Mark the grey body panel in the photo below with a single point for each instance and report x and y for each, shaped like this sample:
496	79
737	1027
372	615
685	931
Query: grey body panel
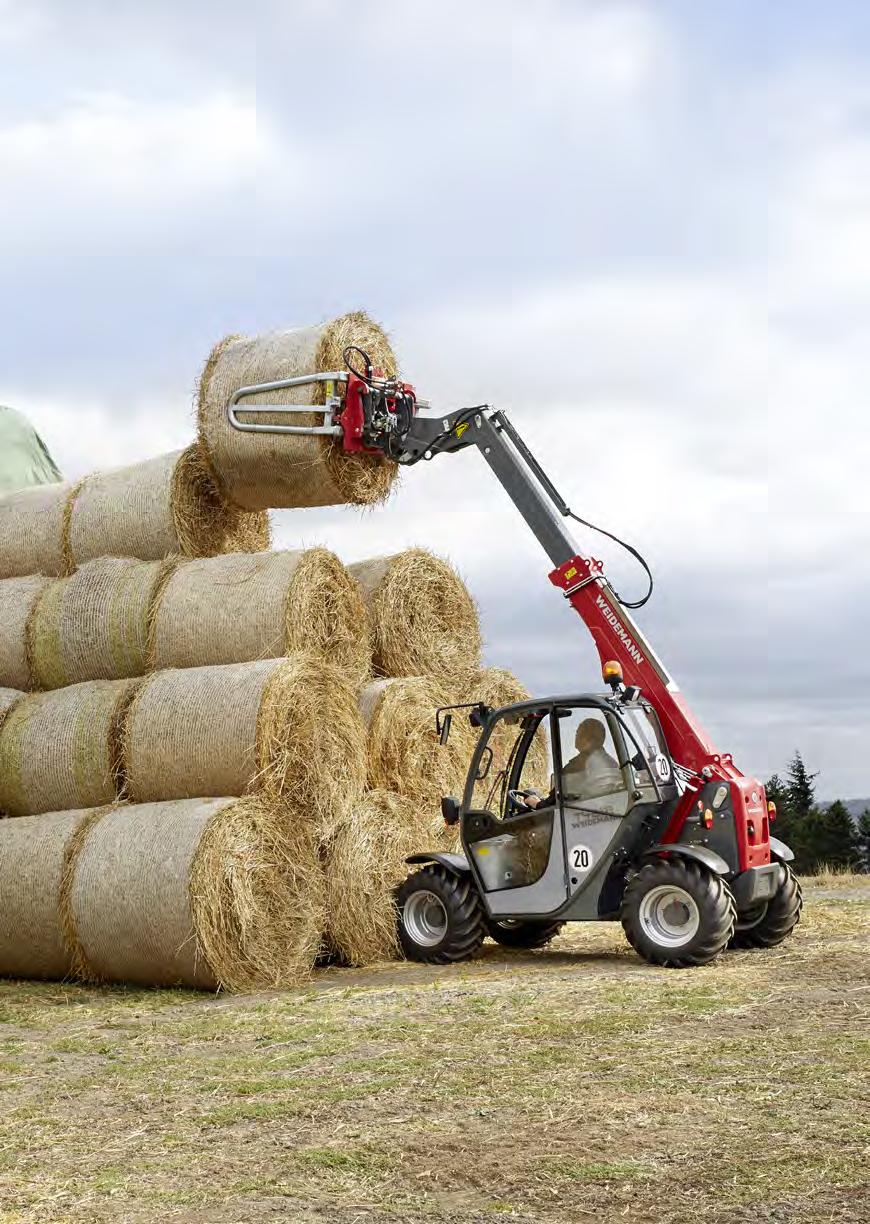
543	897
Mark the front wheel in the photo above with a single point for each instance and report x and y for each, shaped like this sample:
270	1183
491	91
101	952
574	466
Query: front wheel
677	914
774	920
440	916
512	933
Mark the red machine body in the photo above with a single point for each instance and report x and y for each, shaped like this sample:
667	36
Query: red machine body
695	757
355	416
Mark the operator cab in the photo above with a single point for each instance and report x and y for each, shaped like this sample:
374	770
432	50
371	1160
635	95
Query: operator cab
579	776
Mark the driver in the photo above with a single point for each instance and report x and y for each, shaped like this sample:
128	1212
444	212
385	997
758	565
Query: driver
591	773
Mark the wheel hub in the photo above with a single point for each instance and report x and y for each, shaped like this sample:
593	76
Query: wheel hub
425	918
669	916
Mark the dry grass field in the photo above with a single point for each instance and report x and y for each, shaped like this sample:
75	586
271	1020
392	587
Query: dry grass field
566	1085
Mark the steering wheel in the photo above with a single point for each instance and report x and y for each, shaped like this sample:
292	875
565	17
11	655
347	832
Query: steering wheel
517	801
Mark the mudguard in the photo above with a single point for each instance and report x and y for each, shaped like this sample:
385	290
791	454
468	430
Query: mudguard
456	863
779	850
699	854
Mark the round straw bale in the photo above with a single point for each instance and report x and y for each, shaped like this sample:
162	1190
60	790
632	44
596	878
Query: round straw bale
8	698
258	470
165	505
94	625
33	853
265	605
32	531
423	620
198	892
18	597
497	687
286	727
365	862
62	750
404	753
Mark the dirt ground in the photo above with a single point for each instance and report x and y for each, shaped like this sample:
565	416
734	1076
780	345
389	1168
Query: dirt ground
570	1084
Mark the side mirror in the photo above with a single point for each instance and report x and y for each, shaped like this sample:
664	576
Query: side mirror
479	714
450	810
444	729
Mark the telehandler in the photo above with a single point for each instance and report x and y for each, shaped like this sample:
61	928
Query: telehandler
643	820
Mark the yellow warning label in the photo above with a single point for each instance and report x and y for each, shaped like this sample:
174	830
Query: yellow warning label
571	572
460	429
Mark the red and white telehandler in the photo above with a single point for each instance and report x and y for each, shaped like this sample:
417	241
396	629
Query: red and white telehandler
643	820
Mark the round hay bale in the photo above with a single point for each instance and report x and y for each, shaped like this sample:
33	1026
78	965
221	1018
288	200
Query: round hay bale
404	753
497	687
32	531
423	620
62	750
94	625
150	510
287	727
18	597
243	607
200	892
8	698
365	863
33	855
257	470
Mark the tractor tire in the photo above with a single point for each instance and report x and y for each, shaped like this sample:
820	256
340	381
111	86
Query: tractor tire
440	916
677	914
773	921
515	934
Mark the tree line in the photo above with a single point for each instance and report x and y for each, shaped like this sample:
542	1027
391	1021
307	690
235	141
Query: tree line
820	835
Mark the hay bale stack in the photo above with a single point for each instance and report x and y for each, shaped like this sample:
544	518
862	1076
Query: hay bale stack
94	625
8	698
257	470
150	510
18	597
32	531
243	607
423	619
33	855
288	728
199	892
62	750
404	754
365	863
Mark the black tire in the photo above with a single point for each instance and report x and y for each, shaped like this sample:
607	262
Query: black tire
461	915
777	918
701	899
518	934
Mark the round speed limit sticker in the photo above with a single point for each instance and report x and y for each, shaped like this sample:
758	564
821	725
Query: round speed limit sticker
581	859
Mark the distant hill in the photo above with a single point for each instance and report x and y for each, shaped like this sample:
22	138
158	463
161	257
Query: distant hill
857	806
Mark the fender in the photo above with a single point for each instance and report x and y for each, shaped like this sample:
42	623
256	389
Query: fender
699	854
779	850
457	864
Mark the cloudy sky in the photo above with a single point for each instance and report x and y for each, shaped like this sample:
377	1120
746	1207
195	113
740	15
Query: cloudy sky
643	228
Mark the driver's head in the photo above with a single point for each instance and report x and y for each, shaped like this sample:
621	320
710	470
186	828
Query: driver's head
590	735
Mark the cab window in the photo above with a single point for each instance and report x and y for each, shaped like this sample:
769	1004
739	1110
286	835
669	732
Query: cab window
591	778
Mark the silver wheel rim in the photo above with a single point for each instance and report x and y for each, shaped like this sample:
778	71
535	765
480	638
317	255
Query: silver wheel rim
425	918
669	916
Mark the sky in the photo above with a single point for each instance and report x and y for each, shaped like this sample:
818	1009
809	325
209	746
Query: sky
642	228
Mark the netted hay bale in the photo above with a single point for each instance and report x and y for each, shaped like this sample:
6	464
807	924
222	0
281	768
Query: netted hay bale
497	687
258	470
423	620
243	607
32	531
404	754
8	698
365	862
165	505
33	855
18	597
287	727
62	750
198	892
94	625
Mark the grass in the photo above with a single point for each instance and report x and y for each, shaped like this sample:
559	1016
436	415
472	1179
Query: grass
571	1084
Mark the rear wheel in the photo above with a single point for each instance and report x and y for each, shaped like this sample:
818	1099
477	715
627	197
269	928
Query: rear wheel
440	916
676	913
768	924
513	933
